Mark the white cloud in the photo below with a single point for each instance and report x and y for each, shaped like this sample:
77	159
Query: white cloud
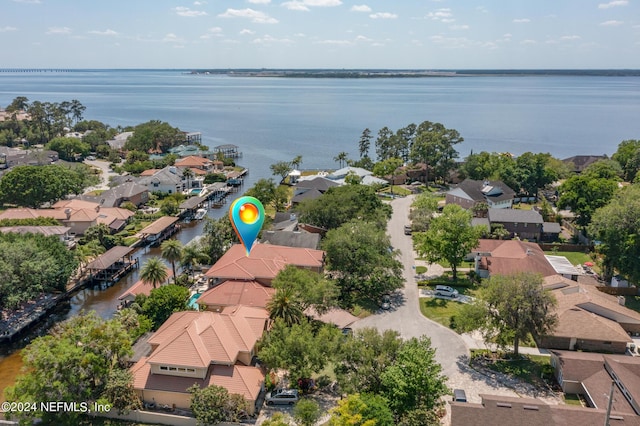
528	41
247	32
521	20
199	3
28	1
267	39
363	38
383	15
459	27
212	32
360	8
185	11
172	38
255	15
612	23
335	42
59	30
300	35
442	14
295	5
613	3
570	37
322	3
260	1
104	33
7	29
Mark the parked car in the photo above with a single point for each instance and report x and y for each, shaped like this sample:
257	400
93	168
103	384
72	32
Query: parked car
282	396
407	230
386	302
445	290
459	395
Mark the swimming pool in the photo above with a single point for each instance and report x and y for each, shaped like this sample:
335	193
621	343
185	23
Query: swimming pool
192	301
196	191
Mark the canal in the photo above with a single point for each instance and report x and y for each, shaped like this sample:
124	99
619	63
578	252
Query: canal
104	302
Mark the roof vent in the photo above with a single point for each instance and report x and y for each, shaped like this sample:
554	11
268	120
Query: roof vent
503	404
531	407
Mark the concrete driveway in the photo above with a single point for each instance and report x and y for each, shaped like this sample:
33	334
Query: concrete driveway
103	165
405	317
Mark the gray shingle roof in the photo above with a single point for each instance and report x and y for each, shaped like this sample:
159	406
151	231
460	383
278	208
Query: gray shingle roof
514	216
473	188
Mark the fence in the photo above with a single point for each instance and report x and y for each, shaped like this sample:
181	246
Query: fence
619	291
566	247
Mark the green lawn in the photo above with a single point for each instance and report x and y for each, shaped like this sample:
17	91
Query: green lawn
397	190
572	399
529	368
439	310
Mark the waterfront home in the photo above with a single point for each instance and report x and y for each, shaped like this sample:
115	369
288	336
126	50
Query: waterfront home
203	348
263	264
140	287
62	232
495	193
119	140
169	180
200	164
580	162
311	188
235	292
301	239
366	176
128	191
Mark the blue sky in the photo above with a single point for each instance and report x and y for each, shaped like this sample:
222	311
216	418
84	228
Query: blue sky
417	34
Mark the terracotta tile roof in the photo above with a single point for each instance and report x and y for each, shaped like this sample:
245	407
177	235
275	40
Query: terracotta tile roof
235	292
44	230
238	379
25	213
75	204
265	261
513	256
149	172
193	161
198	339
141	287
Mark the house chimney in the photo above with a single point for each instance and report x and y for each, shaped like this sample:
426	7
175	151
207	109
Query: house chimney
621	300
68	213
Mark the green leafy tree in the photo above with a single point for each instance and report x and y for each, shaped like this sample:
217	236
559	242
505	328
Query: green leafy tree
306	412
154	135
386	168
341	158
285	305
434	146
363	357
297	161
278	419
628	156
414	380
534	173
169	207
508	308
172	251
584	193
616	226
218	236
310	289
209	405
210	178
422	210
32	186
478	166
365	143
362	410
420	417
450	237
604	169
164	301
299	348
384	143
120	393
68	148
359	255
72	363
343	203
282	169
264	190
154	272
193	255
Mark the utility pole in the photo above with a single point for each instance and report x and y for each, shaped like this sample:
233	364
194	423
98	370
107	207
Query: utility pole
606	418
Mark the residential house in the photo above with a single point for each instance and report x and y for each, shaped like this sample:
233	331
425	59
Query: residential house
524	224
202	348
310	189
590	375
496	194
169	180
128	191
183	151
581	162
201	164
550	232
140	287
366	176
301	239
588	319
119	140
62	232
263	264
503	410
235	292
11	157
506	257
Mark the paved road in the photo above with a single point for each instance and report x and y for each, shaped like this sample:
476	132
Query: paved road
104	177
451	350
405	316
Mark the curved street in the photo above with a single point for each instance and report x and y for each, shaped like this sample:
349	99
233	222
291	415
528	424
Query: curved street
405	317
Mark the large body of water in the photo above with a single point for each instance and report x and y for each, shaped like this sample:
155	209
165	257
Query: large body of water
275	119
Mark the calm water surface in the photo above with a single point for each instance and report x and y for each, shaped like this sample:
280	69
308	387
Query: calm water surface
274	119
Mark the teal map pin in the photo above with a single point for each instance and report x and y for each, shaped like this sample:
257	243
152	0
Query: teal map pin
247	217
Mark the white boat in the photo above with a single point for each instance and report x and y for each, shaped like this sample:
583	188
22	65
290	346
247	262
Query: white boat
200	214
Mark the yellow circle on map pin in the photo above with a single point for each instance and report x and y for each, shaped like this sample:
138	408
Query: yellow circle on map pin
247	216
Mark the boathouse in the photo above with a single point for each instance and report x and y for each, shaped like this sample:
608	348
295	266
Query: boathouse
159	230
109	267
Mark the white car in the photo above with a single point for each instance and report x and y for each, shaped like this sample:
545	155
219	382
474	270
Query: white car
445	290
282	396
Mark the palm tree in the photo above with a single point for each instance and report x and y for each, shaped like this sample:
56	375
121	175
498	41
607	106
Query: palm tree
172	251
188	174
284	305
297	160
154	272
191	256
341	158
